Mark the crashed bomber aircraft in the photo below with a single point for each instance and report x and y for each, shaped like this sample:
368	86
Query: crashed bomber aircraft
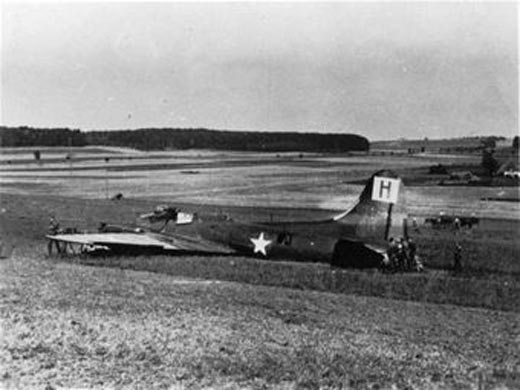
356	238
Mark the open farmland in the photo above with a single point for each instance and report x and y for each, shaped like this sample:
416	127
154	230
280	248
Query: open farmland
246	179
233	322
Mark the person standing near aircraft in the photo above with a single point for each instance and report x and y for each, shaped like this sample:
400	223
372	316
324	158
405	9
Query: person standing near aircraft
53	229
392	253
457	224
415	225
457	258
412	253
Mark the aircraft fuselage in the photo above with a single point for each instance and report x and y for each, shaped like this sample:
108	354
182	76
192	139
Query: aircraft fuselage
303	241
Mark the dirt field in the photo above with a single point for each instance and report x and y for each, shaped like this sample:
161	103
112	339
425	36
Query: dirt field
231	322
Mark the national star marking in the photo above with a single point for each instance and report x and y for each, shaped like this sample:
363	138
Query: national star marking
260	244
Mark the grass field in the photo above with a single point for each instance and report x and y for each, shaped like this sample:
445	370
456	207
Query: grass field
233	322
499	292
66	325
490	278
480	256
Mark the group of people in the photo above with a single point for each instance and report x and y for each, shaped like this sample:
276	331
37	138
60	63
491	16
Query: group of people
402	255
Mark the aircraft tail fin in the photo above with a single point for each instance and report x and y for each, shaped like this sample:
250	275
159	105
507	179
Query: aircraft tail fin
374	214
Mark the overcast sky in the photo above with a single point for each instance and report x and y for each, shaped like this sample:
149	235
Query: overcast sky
383	70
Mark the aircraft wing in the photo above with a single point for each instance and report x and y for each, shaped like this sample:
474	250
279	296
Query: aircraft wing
138	240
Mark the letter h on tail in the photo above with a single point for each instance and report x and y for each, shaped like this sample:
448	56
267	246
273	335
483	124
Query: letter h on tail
386	190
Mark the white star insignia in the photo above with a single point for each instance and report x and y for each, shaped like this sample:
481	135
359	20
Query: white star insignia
260	244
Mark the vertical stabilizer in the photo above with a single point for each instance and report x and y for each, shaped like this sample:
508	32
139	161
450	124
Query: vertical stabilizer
375	212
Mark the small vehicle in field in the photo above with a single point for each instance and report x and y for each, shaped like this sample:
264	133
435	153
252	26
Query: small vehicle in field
512	174
448	221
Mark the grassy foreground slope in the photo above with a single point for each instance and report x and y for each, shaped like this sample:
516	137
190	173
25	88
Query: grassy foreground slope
69	325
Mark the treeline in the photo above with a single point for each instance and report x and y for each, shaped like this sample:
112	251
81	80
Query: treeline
163	139
28	136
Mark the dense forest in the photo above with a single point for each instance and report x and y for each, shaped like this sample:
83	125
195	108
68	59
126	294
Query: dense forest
162	139
27	136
